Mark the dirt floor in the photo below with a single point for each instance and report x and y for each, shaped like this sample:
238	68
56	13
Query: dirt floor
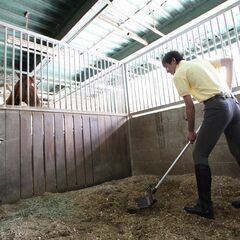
100	212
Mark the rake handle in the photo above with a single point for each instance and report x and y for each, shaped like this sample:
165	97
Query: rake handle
174	162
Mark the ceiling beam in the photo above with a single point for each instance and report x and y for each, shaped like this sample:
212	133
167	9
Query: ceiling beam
127	32
133	18
177	22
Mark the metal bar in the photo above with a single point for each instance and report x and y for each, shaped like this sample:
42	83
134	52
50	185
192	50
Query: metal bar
200	39
102	80
143	88
237	41
213	37
220	36
35	77
85	87
228	37
75	79
125	89
21	57
93	84
70	77
157	80
13	68
162	79
59	76
64	76
130	89
5	63
189	47
147	74
80	79
98	91
41	71
48	100
89	85
167	85
171	83
114	76
206	39
137	86
176	96
54	77
107	83
28	97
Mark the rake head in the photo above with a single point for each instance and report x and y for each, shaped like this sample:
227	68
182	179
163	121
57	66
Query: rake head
149	199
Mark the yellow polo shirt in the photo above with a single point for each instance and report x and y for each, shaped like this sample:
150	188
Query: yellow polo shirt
199	78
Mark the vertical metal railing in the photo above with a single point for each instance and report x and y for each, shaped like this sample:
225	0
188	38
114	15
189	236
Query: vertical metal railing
64	77
212	36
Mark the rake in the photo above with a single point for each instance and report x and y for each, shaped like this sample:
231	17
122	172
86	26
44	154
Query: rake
150	198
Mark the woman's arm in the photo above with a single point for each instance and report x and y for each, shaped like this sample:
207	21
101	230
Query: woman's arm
228	64
190	113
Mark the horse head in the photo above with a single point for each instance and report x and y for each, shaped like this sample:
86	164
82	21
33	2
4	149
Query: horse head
26	93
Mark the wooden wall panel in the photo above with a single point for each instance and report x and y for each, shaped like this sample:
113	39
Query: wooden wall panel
95	149
38	156
78	139
61	174
116	160
50	173
108	137
123	162
103	170
70	155
26	154
12	190
2	157
115	144
87	151
58	152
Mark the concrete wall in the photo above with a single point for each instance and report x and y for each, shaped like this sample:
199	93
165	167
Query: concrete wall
157	139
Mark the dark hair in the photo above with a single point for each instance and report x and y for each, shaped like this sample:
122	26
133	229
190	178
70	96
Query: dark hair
167	58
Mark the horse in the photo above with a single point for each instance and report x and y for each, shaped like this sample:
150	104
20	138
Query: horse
29	91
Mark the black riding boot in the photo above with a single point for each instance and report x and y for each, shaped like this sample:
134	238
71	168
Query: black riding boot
203	207
236	204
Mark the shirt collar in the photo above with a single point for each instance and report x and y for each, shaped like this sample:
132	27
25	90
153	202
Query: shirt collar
179	65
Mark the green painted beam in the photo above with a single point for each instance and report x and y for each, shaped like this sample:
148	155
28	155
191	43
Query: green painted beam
80	10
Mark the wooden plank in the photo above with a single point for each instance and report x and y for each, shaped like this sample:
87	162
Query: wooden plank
70	155
102	169
12	156
50	171
60	153
26	154
123	147
2	157
115	150
87	150
78	139
95	143
38	154
109	157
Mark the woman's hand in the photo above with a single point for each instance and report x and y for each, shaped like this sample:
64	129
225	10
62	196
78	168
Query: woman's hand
192	137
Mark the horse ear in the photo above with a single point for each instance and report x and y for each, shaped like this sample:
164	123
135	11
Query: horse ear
18	74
